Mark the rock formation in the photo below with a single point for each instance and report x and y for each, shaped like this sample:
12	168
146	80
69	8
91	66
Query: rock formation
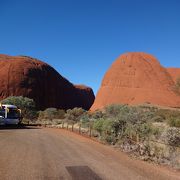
136	78
29	77
174	72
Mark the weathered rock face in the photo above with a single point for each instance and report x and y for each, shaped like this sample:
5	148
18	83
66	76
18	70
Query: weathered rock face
136	78
25	76
174	72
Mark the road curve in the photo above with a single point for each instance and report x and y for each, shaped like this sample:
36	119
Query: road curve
43	154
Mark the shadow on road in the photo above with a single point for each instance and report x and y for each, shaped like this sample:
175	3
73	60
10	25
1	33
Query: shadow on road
5	127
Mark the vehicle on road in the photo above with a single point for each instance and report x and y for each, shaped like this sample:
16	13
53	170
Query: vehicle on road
9	114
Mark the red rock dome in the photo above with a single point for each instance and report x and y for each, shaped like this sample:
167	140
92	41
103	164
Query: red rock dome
174	72
29	77
136	78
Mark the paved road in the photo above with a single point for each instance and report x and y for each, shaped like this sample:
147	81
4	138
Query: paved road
30	154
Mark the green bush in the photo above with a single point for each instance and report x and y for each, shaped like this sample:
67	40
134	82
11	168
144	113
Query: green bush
114	109
50	113
98	125
74	114
97	114
174	122
26	105
60	114
167	114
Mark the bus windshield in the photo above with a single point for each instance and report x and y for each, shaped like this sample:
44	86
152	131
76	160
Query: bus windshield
13	113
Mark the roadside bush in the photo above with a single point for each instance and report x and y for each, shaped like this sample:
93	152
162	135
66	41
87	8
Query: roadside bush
167	114
26	105
172	136
114	109
60	114
74	114
174	122
98	124
85	119
97	114
51	113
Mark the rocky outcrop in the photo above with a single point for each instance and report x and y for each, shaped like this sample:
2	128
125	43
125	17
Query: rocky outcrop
136	78
29	77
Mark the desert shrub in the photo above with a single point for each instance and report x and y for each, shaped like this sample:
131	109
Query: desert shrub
172	136
98	124
74	114
158	119
97	114
167	114
60	114
144	130
50	113
108	131
174	122
115	109
26	105
85	119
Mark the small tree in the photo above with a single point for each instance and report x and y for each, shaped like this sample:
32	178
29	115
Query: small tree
26	105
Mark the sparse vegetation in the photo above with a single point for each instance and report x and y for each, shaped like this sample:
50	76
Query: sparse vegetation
137	129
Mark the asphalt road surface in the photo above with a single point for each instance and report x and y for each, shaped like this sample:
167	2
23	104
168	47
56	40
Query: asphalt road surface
32	153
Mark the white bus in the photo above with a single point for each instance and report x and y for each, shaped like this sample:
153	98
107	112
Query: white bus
9	114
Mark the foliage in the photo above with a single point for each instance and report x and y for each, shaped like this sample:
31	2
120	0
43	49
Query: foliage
158	119
74	114
27	105
61	114
174	122
97	114
114	109
52	113
172	136
98	124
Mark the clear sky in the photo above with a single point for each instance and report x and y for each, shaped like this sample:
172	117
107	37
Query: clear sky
81	38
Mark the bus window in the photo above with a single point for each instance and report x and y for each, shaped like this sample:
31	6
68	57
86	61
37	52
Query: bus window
13	113
2	112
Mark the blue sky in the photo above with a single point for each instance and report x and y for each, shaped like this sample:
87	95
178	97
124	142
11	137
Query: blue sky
81	38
